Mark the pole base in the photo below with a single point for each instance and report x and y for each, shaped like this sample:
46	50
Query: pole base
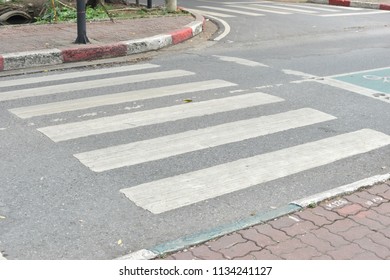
82	39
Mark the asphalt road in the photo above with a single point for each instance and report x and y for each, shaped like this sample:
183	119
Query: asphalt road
283	107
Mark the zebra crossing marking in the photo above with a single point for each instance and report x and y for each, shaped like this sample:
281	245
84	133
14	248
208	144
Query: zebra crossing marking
231	11
176	144
355	14
241	61
116	98
186	189
211	13
75	130
260	10
286	8
92	84
88	73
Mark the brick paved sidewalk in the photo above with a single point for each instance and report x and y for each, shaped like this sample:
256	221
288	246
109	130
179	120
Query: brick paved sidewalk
355	226
33	37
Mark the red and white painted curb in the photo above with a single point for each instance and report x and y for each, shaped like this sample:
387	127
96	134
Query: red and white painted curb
20	60
356	4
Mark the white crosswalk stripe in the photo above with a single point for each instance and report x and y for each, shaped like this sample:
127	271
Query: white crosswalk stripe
182	190
234	11
55	89
88	73
203	12
264	8
174	192
126	121
167	146
116	98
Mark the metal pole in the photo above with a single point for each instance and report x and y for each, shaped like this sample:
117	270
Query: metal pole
81	23
149	4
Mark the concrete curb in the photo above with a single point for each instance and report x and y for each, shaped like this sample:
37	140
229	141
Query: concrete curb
19	60
356	4
294	206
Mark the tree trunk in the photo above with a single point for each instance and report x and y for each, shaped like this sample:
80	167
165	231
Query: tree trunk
171	5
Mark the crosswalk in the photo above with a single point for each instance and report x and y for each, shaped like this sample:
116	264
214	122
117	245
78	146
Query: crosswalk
173	192
263	8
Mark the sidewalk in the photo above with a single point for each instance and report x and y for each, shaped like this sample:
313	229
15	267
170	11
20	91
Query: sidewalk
24	46
354	226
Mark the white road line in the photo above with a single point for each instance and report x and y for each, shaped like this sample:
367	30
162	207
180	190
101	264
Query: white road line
259	10
66	88
79	74
354	88
116	98
355	14
232	11
226	30
285	8
310	7
240	61
211	13
75	130
182	190
176	144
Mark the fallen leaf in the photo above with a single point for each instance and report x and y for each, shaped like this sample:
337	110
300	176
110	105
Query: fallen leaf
187	100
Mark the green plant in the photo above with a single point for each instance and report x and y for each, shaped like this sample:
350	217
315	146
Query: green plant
66	13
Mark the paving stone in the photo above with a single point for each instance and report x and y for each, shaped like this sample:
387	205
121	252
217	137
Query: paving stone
261	240
334	239
380	239
378	189
286	247
365	256
247	257
329	215
300	228
373	224
184	255
312	217
283	222
274	234
346	252
205	253
239	250
355	233
335	204
353	198
367	244
264	255
384	209
322	257
351	209
385	232
321	245
370	197
386	195
226	241
341	225
305	253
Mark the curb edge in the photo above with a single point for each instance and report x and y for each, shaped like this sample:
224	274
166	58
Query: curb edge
294	206
21	60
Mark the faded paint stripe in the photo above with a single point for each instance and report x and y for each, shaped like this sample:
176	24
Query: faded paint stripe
66	88
186	189
69	131
79	74
234	11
